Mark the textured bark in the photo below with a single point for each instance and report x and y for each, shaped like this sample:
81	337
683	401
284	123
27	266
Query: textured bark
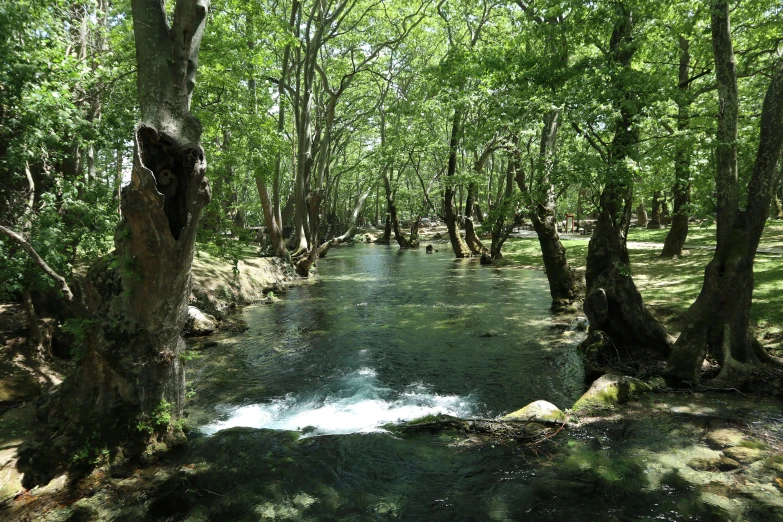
655	216
137	296
500	229
271	221
719	319
348	235
564	285
678	233
641	215
459	246
613	304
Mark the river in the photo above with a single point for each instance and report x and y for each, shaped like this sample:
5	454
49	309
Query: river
288	416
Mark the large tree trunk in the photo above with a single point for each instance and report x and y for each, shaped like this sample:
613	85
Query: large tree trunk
613	304
457	243
564	285
719	319
655	217
137	296
641	215
678	233
270	220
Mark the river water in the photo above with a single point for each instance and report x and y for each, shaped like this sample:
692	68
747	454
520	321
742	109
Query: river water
289	415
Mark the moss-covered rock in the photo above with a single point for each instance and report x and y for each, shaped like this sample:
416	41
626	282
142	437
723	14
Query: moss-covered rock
744	455
538	411
608	391
724	438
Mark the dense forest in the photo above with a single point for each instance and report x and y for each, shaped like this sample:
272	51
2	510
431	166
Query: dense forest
139	135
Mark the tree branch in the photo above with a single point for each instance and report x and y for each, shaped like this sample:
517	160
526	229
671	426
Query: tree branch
38	260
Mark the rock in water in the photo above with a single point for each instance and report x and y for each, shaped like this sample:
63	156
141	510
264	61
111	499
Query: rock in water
485	259
609	390
199	323
538	411
429	249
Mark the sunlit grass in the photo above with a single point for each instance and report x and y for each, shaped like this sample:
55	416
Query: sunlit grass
669	287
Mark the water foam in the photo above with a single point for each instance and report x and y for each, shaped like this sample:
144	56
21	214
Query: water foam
359	404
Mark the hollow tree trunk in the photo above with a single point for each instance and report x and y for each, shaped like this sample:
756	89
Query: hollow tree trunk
613	304
564	285
719	319
137	296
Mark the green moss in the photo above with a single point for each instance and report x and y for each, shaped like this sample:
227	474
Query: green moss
424	419
754	444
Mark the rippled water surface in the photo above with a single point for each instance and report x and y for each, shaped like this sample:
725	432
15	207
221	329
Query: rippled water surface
290	414
385	335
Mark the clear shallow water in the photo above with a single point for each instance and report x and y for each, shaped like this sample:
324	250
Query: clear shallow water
383	336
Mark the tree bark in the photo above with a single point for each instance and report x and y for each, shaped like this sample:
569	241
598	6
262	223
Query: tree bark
719	319
678	233
564	285
137	296
641	215
613	304
655	217
459	246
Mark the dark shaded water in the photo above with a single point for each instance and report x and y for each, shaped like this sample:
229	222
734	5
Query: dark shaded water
383	336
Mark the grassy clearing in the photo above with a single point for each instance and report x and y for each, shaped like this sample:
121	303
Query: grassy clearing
699	235
669	287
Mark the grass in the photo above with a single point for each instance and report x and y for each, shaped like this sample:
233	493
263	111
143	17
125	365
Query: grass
699	235
669	287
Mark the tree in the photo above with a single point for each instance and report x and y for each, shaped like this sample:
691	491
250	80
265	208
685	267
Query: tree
613	304
718	321
129	382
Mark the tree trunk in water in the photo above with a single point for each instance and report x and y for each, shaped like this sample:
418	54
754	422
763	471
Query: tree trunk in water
641	215
137	296
719	319
348	235
564	285
613	304
655	218
501	231
461	249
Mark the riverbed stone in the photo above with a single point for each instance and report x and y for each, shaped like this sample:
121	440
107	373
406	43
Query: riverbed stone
744	455
198	323
610	390
538	411
724	438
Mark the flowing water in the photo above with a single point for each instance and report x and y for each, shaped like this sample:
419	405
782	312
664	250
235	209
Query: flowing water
289	415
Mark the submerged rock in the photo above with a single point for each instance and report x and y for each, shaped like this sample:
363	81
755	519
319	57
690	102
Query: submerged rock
198	323
610	390
744	455
724	438
538	411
